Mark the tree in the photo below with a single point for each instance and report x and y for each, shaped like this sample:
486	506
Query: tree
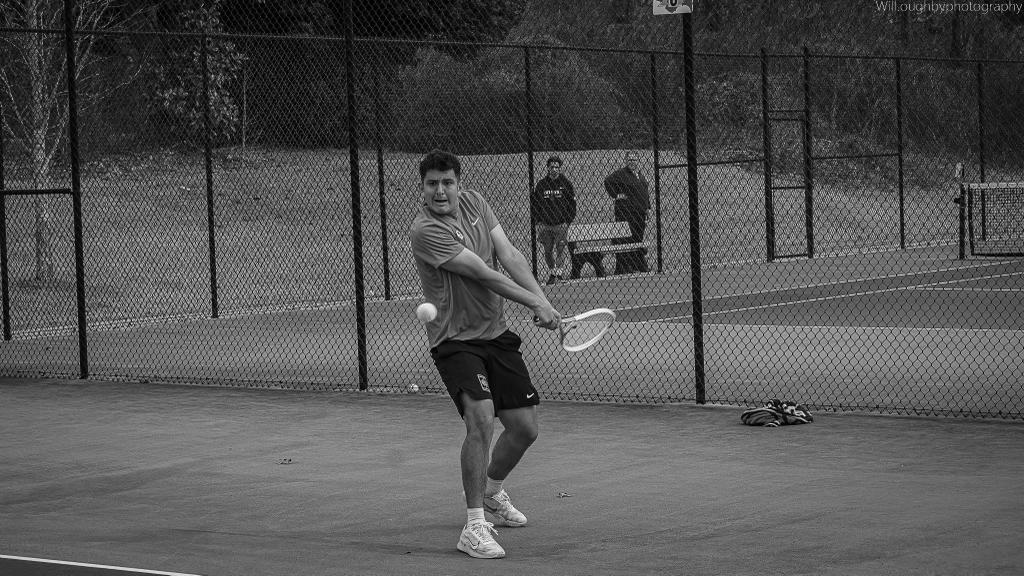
33	88
179	76
450	20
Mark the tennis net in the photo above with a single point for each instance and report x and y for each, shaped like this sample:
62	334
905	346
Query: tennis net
995	218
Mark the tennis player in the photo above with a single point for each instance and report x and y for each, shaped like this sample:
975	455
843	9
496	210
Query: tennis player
457	243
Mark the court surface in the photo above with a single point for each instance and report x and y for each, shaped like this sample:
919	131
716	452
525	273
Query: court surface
222	481
985	295
914	331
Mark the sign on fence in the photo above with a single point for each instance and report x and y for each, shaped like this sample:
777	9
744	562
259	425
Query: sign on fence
672	7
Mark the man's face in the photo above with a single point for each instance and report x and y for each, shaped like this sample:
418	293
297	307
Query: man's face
632	161
554	169
441	191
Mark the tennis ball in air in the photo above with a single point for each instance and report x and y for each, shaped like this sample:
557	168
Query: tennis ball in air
426	312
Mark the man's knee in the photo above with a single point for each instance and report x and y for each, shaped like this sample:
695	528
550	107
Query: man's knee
522	425
528	434
478	415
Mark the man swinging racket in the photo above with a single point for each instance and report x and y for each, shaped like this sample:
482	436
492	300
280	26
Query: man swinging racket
457	244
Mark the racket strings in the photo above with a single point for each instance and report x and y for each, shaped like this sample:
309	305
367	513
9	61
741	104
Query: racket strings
583	332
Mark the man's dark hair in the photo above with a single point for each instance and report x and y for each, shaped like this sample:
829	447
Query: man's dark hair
442	161
555	160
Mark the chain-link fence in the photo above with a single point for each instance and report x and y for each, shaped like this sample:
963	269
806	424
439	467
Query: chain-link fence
232	235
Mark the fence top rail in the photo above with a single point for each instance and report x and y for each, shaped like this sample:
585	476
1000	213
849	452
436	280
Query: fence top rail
34	191
994	185
520	46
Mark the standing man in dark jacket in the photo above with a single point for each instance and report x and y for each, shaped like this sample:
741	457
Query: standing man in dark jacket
632	203
553	203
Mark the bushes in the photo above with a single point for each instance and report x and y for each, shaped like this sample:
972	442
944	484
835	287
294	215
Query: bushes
479	105
177	96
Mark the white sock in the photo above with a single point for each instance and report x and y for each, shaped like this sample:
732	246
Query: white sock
474	515
493	486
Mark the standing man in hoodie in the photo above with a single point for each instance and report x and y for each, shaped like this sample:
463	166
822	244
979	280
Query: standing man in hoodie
553	204
628	188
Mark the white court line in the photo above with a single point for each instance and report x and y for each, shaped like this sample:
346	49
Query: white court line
84	565
846	295
833	327
967	289
819	285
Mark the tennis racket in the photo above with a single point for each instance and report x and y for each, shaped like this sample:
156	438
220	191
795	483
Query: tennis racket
584	330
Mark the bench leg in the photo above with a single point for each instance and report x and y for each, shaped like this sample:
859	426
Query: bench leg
592	258
629	262
577	265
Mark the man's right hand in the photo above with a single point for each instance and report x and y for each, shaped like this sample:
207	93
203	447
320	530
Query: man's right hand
546	316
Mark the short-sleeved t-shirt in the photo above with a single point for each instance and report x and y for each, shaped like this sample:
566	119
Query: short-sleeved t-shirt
466	309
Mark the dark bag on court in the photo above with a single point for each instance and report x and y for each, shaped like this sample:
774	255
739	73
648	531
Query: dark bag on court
776	413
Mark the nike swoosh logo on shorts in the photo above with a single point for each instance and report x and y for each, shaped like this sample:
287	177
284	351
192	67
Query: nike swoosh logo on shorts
528	396
473	222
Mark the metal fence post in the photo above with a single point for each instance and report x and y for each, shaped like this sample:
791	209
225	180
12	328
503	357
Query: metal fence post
357	213
529	156
657	161
980	75
766	131
694	206
382	197
5	295
208	165
808	149
899	152
76	191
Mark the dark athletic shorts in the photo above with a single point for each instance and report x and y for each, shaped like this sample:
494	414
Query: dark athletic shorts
486	369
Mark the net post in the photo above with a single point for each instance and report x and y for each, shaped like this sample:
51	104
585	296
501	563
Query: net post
961	202
969	208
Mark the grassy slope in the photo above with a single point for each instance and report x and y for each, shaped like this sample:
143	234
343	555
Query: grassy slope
284	231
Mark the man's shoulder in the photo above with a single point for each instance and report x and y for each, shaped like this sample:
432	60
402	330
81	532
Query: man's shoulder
420	222
546	183
473	197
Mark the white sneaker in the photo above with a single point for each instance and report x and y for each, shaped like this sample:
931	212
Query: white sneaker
477	540
505	514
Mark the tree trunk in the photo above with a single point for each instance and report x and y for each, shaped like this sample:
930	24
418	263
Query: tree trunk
955	49
625	11
42	221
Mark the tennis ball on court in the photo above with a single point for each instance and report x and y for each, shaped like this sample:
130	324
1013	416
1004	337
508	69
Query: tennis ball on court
426	312
414	388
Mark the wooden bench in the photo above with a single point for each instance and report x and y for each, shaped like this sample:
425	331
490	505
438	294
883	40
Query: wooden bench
588	244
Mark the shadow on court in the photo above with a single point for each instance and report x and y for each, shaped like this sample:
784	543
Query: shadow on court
256	482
